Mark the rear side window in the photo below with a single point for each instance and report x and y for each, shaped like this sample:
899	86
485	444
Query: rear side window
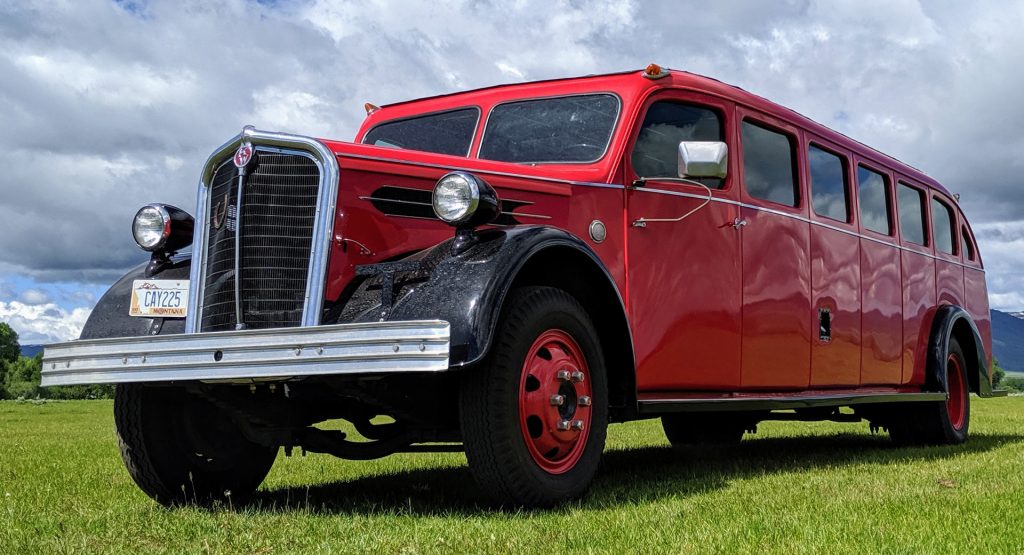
667	124
943	226
873	194
769	165
910	202
828	184
443	133
967	245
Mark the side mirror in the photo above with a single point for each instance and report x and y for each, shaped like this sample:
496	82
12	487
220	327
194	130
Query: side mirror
703	159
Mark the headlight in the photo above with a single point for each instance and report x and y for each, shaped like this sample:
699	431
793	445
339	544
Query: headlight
456	197
462	199
152	227
162	227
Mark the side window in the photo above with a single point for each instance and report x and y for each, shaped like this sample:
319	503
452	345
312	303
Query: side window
966	244
943	226
444	133
910	202
769	165
666	125
828	184
873	194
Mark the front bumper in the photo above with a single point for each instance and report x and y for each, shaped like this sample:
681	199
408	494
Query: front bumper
251	355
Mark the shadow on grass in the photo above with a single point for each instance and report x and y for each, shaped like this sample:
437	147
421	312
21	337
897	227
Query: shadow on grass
627	476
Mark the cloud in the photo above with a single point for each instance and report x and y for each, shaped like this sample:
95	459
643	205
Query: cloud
34	297
40	324
105	106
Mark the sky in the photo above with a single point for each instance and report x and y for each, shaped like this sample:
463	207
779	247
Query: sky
109	105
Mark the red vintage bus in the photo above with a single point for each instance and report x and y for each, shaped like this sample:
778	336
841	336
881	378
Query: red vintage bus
505	271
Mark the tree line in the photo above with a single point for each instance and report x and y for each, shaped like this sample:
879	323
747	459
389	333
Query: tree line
20	375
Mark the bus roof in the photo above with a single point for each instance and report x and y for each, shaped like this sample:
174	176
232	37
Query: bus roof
632	86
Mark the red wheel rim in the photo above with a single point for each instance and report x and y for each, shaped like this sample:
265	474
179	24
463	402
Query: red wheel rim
956	402
555	401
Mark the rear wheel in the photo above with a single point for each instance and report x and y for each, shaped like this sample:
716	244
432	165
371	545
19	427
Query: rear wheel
181	449
535	414
687	430
941	423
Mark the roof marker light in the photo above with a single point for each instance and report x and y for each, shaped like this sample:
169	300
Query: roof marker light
654	71
370	108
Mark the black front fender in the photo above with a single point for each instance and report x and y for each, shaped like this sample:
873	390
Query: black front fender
466	289
109	318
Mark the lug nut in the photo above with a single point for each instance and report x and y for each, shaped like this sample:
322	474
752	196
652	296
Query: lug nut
563	425
577	376
577	425
562	375
558	400
583	401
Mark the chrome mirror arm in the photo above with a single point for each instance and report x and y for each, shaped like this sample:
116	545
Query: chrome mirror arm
642	222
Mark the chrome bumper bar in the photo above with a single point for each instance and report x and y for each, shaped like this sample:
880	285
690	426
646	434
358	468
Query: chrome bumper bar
250	355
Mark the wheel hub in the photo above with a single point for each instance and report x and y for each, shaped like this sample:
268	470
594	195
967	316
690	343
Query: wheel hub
956	400
555	401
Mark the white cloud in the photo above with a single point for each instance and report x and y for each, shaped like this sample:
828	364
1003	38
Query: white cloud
509	70
43	323
123	86
34	297
1007	302
290	110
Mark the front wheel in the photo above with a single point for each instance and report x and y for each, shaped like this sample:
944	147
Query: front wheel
181	449
535	414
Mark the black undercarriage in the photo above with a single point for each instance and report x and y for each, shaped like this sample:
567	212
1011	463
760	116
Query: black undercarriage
420	413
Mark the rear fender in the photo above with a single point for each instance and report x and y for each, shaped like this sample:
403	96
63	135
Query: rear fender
953	321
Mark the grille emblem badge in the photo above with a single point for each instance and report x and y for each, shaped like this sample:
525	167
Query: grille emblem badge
219	212
243	155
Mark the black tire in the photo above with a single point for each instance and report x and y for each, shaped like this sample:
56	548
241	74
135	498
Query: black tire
937	423
709	429
495	440
182	450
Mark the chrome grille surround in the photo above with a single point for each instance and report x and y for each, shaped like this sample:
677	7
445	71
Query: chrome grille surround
323	226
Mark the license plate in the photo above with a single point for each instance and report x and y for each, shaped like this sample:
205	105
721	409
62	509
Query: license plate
159	298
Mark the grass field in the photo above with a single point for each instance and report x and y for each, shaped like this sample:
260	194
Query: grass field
791	488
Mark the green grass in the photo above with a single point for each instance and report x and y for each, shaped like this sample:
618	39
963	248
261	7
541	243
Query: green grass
792	488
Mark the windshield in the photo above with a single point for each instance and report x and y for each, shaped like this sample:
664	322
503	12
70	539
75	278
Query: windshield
444	133
566	129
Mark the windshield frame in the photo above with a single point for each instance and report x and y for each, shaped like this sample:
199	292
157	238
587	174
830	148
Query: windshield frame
608	144
472	138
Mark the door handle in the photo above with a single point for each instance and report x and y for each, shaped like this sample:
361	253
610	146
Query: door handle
738	223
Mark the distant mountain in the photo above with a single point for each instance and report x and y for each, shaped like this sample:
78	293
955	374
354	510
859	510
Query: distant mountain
31	350
1008	340
1017	314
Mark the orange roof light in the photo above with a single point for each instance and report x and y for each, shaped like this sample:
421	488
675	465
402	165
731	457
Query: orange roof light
370	108
654	71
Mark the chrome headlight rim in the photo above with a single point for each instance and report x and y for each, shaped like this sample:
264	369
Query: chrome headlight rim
165	218
473	185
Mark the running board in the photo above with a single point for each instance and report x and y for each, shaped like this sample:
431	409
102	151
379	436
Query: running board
653	405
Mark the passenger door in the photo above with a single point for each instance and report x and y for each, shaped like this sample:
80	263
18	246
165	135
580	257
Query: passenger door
684	276
776	350
835	267
881	278
918	261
